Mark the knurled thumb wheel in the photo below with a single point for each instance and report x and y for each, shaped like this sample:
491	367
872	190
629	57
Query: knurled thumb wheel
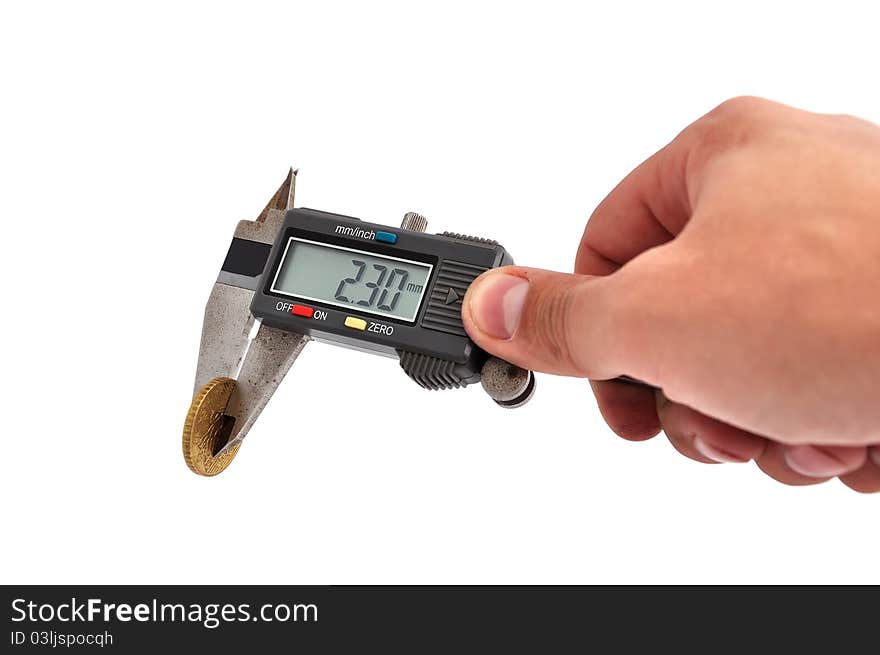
207	428
507	384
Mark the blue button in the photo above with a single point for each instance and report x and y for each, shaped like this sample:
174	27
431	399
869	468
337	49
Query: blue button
387	237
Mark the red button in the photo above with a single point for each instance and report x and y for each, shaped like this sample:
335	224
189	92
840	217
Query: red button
302	310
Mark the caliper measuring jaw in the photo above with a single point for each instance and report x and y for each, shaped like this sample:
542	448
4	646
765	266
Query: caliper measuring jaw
242	361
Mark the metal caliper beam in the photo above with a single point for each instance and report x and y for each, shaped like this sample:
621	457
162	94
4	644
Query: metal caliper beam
241	362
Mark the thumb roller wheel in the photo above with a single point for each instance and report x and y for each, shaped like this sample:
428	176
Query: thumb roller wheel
508	385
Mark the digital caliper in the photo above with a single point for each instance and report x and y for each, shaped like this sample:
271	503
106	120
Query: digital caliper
295	274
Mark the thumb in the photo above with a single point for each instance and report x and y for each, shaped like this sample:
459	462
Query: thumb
544	321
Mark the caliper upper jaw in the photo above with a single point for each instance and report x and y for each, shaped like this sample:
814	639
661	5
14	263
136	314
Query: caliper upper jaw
235	347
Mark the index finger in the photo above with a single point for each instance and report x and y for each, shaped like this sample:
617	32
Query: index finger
654	203
646	209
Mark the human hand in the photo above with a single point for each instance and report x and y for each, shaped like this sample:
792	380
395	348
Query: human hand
738	269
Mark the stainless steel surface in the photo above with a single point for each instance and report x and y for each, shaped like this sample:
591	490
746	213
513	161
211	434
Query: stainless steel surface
266	362
282	198
257	362
225	330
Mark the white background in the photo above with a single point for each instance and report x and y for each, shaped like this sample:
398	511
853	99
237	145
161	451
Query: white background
133	140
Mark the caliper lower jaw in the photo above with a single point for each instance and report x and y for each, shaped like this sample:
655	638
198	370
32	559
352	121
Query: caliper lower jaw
241	362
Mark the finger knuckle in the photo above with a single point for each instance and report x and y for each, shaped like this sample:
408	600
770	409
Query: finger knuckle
741	108
735	122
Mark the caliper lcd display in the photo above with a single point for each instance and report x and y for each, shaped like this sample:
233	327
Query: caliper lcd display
362	281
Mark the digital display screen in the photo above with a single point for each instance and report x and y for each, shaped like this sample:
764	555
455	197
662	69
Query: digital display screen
374	284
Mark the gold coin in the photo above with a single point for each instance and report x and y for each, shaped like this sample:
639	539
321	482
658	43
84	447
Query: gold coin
206	429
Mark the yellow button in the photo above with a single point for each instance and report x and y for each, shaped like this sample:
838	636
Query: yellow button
356	323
